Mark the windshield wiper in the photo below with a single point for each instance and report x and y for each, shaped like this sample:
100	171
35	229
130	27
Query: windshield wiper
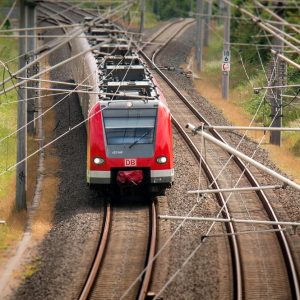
140	138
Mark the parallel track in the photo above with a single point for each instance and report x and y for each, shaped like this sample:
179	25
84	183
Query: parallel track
89	290
286	252
104	254
293	279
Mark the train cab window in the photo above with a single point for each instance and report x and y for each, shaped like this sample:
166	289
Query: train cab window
129	136
129	130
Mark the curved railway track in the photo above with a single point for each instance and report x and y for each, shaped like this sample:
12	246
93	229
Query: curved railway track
284	279
132	229
279	275
127	238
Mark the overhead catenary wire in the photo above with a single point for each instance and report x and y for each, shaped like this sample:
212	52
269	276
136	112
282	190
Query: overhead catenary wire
186	261
202	240
55	47
34	98
60	12
283	33
195	205
248	20
43	113
93	92
55	81
246	158
234	220
5	90
273	14
276	86
77	32
289	61
69	92
12	30
261	24
9	13
62	135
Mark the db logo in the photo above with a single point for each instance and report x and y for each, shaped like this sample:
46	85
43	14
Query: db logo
129	162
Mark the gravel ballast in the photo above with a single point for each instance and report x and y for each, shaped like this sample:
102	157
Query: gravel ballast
66	251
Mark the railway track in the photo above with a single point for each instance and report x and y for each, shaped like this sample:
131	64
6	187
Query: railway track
128	236
159	40
128	240
267	252
278	275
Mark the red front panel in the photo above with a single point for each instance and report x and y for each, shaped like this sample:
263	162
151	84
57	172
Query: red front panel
163	144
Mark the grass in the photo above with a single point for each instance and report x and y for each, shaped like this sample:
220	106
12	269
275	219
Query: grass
32	268
8	124
243	103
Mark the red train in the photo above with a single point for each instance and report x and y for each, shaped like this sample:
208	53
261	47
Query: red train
129	125
130	143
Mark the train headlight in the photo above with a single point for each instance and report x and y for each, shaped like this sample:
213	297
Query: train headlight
99	161
161	160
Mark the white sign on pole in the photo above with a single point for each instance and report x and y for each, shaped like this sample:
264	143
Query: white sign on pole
226	56
226	67
226	61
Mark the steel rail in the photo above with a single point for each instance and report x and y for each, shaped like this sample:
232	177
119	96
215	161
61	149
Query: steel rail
88	286
160	48
152	249
167	26
234	246
289	260
235	255
101	252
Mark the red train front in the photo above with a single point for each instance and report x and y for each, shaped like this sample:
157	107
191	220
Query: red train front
129	125
130	143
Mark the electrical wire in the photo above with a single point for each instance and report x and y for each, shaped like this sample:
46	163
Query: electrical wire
194	206
9	13
25	126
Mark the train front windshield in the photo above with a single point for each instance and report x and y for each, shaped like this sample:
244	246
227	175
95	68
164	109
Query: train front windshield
131	128
119	131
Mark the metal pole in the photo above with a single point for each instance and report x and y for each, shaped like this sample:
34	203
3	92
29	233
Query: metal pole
208	10
31	15
234	190
290	62
246	221
275	95
199	30
191	8
264	26
244	157
21	134
219	127
226	53
142	17
277	16
220	10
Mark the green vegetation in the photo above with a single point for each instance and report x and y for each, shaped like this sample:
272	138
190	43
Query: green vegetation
8	124
254	61
6	3
32	268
